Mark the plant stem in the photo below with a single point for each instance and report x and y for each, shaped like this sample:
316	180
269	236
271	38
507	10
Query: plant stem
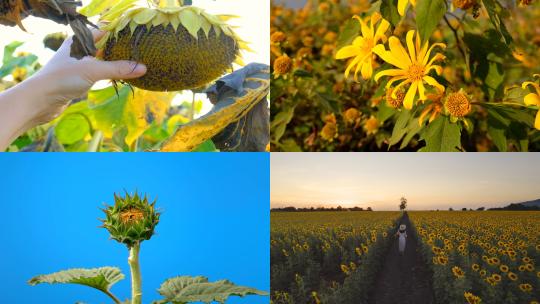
136	284
192	112
115	299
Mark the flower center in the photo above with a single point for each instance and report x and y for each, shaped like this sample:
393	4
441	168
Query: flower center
131	215
368	44
458	105
415	72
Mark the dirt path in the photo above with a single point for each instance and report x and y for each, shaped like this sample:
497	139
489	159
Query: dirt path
404	279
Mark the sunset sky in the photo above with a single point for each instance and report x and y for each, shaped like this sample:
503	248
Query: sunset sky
427	180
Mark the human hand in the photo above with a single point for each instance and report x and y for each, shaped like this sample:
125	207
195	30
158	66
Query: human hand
44	96
66	78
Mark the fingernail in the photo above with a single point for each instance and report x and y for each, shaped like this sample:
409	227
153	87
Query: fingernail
139	68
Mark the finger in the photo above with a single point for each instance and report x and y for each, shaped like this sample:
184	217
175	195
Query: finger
115	70
97	34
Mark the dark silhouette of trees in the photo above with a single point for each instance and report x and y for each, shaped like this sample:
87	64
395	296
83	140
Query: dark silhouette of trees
403	204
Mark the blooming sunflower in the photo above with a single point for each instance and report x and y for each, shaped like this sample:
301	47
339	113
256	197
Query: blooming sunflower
402	5
362	46
413	67
533	99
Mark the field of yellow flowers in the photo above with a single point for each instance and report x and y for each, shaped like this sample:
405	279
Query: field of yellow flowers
327	257
410	75
482	257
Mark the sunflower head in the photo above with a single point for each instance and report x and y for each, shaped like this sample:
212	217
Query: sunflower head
396	102
282	65
458	104
183	47
131	219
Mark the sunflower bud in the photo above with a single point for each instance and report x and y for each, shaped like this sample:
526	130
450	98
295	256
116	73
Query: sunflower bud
131	219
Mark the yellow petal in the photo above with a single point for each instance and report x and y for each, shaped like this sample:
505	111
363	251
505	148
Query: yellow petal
410	45
425	56
537	121
532	99
145	16
431	81
191	21
421	90
437	56
402	4
354	62
387	56
398	51
535	86
437	69
409	97
367	70
348	51
394	79
390	72
381	30
423	115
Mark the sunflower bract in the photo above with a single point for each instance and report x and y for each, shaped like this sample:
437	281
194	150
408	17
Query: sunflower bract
131	219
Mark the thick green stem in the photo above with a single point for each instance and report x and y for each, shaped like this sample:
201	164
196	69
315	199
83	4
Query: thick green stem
136	284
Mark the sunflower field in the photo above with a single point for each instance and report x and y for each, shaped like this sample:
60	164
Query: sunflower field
482	257
327	257
405	75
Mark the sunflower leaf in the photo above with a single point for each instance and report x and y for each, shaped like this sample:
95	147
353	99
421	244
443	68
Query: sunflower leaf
186	289
99	278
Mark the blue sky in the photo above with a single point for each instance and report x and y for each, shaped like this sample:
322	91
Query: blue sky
428	180
215	220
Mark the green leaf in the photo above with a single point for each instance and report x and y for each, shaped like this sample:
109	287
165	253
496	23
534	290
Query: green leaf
494	80
389	11
349	32
99	278
495	10
329	102
9	50
186	289
498	136
280	122
399	127
428	15
441	135
207	146
72	128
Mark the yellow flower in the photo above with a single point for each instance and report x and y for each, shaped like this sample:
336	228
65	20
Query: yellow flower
371	126
472	299
362	47
533	99
458	104
458	272
394	102
525	287
402	5
282	66
503	268
512	276
278	37
345	269
413	67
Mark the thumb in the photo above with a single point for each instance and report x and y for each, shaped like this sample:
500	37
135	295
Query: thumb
115	70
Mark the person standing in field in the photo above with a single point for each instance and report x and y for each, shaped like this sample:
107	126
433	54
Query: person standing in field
402	235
